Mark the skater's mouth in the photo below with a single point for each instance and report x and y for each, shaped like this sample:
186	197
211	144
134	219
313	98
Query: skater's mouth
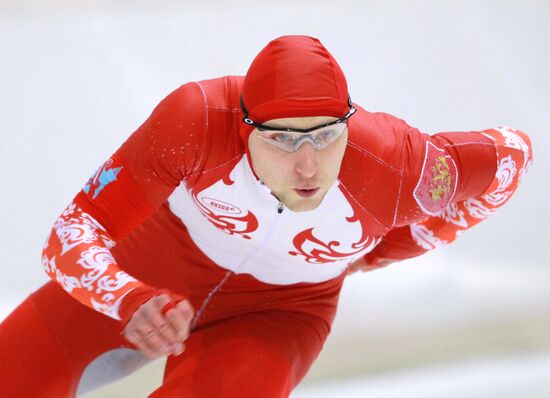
307	193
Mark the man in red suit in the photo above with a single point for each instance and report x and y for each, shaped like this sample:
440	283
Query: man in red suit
219	234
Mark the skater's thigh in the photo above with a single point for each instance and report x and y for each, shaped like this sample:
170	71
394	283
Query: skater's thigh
32	363
50	341
256	354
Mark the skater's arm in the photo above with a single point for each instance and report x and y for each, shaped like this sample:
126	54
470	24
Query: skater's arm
472	197
122	193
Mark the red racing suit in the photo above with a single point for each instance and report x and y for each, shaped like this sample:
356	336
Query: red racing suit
178	206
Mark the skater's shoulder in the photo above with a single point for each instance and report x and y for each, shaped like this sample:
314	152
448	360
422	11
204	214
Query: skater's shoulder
221	93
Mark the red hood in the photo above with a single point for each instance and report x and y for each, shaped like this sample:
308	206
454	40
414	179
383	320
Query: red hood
294	76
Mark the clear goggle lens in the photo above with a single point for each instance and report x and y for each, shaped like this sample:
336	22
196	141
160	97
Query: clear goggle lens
290	141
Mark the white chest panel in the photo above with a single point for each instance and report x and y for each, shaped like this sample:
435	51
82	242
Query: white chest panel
236	224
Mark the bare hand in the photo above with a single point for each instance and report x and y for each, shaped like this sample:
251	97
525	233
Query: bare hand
156	334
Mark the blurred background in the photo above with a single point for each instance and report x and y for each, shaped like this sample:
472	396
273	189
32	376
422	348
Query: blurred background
469	320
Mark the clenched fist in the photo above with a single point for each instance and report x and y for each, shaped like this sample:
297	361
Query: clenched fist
157	334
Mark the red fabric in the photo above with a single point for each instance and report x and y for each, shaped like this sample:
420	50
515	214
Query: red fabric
246	356
396	245
134	205
32	361
477	167
488	177
294	76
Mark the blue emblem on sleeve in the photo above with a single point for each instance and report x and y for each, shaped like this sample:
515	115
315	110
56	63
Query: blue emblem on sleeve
105	175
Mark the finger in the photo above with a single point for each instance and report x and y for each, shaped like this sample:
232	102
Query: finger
139	318
186	309
162	326
150	341
136	339
180	318
179	348
179	323
168	306
148	332
160	301
148	327
155	342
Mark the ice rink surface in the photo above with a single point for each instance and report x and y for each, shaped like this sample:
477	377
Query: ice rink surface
516	377
470	320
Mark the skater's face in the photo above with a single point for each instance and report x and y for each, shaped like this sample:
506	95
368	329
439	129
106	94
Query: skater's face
300	179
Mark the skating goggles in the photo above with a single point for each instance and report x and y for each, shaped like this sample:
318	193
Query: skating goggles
290	140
